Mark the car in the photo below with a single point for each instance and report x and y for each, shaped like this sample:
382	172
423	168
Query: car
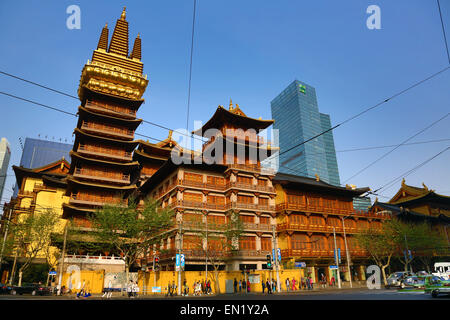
413	282
422	273
394	280
31	288
437	285
5	289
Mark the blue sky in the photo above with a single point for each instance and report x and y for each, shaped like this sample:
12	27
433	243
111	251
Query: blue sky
248	51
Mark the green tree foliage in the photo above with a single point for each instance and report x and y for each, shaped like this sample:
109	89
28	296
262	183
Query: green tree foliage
132	229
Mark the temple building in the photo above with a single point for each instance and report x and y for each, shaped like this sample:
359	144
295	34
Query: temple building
226	178
417	204
110	91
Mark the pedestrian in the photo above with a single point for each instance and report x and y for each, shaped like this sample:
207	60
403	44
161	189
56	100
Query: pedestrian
308	286
248	285
208	286
184	288
332	281
293	284
269	286
174	287
135	289
287	284
311	282
244	285
274	286
240	286
130	289
235	284
263	284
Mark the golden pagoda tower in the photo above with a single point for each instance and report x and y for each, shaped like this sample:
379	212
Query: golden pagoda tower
110	91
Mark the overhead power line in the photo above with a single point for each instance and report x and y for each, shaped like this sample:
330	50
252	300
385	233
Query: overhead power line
190	66
443	31
405	174
370	108
399	145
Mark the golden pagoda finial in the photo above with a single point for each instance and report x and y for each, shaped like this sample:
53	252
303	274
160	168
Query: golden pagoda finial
124	13
119	39
424	186
170	134
231	104
317	177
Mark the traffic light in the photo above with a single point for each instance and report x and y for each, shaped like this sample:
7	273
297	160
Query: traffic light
269	261
156	263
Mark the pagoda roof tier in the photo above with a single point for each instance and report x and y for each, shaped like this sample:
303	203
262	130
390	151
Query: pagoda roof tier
129	123
128	145
77	158
73	183
70	210
168	167
89	94
298	182
148	157
234	116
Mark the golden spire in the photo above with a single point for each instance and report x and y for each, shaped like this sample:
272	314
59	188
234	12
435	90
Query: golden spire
231	104
124	13
119	40
136	52
103	41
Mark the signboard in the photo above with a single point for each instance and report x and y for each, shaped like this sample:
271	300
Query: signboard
182	261
333	267
279	254
156	289
52	273
338	256
300	265
253	278
177	262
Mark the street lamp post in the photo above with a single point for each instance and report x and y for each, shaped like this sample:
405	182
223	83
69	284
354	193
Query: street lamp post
347	252
179	267
336	258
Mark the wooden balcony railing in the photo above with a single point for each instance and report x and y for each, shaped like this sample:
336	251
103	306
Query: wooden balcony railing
102	175
247	186
106	152
108	129
96	199
311	253
111	109
321	209
198	205
314	228
252	168
250	206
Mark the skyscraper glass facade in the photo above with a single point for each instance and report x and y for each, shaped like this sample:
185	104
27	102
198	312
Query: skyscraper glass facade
37	153
5	155
297	117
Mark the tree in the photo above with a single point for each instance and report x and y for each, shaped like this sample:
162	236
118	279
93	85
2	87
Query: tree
31	234
219	240
380	244
131	229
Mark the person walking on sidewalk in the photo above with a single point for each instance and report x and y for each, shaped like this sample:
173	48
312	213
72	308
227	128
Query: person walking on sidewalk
294	288
235	285
287	284
263	284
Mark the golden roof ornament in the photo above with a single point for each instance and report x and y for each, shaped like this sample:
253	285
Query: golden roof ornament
124	13
231	105
424	186
317	177
403	182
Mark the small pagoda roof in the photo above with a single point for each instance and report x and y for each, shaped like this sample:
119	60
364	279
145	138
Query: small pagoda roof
130	123
129	145
234	116
292	181
69	210
405	213
56	170
147	156
410	194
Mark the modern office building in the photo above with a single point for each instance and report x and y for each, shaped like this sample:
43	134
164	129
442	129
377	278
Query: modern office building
5	155
297	117
37	153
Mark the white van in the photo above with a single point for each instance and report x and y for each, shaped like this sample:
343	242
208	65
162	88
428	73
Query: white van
442	269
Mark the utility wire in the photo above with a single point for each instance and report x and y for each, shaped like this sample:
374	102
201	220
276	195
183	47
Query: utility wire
190	67
370	108
392	182
399	145
443	31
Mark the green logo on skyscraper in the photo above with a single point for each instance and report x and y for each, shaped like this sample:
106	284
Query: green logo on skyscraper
302	88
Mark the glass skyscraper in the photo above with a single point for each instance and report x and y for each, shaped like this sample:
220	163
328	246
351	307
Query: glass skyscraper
297	117
5	155
37	153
